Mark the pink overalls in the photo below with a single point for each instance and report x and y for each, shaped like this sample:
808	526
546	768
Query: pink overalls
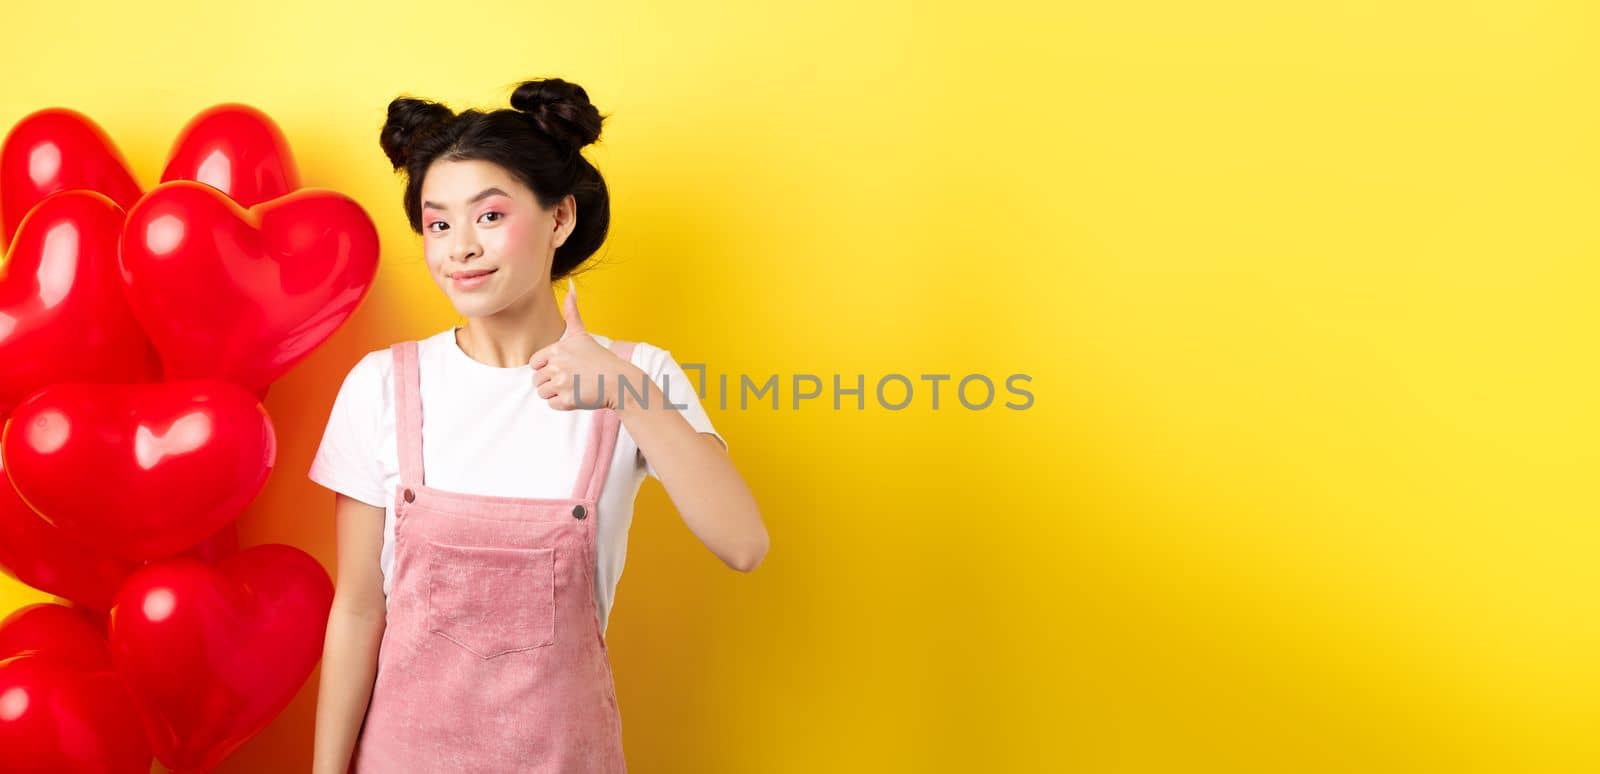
493	660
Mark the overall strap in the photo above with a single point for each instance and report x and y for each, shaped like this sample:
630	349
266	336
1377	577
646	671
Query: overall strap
602	439
408	413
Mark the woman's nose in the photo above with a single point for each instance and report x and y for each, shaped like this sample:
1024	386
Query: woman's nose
464	249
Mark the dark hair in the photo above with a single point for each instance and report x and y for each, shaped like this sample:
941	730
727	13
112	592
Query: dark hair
538	141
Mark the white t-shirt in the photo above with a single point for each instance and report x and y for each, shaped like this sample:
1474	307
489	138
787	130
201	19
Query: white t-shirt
487	431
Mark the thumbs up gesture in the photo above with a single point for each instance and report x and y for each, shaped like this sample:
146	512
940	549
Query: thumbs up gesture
576	372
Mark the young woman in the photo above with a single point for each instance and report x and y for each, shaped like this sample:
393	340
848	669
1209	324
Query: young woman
485	475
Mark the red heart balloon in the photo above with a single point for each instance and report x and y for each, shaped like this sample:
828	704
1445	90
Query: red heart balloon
236	149
141	471
239	294
63	317
49	559
57	149
214	653
63	708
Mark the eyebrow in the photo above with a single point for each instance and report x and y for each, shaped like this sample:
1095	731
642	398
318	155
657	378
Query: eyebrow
484	194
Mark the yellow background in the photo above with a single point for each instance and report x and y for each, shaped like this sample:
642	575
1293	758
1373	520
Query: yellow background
1305	291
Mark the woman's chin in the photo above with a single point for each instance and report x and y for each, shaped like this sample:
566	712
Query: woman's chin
473	307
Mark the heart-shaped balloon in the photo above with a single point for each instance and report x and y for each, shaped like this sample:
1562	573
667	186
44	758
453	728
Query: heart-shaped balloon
63	317
214	653
49	559
141	471
244	294
236	149
63	708
57	149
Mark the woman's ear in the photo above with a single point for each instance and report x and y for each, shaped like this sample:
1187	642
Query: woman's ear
566	215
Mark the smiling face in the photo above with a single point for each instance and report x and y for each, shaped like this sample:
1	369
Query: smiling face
478	219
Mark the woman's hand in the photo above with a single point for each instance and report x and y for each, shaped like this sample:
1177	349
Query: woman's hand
577	372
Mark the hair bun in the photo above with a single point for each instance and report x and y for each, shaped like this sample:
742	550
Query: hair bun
560	109
408	119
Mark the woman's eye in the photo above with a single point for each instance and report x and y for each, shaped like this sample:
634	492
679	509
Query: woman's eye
430	226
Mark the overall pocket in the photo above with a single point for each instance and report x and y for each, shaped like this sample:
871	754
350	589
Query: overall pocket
492	601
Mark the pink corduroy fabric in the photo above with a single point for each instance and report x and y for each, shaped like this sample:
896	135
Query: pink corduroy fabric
493	659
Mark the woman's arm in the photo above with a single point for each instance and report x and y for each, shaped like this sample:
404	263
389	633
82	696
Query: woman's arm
355	629
694	467
698	474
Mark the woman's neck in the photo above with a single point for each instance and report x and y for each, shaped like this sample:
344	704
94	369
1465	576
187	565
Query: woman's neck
509	338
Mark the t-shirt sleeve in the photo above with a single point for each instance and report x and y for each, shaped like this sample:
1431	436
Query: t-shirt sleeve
347	459
681	390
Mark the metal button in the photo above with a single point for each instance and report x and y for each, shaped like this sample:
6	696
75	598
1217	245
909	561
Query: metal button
410	495
578	512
